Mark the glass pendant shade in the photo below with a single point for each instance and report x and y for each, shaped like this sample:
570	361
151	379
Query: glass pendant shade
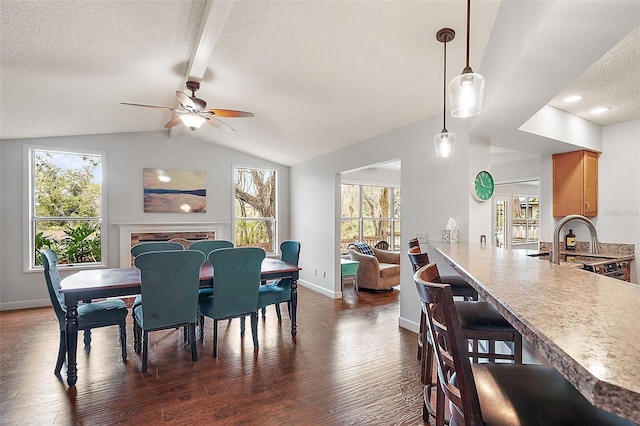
192	121
445	144
465	94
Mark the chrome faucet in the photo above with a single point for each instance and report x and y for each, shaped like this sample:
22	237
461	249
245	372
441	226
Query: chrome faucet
595	245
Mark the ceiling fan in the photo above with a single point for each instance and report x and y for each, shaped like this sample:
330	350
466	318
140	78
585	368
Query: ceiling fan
194	113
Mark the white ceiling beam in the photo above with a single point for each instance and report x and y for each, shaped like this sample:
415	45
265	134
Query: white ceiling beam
213	19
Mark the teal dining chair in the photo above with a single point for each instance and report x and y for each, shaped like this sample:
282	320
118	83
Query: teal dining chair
279	291
236	279
206	247
169	282
136	250
90	315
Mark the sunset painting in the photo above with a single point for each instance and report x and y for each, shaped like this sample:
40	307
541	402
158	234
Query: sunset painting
174	191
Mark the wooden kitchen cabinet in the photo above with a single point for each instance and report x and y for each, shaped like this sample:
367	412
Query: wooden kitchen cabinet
575	183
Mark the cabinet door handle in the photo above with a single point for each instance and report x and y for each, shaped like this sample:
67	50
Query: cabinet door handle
586	203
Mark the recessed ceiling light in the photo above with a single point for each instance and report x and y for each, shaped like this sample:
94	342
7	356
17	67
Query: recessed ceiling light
570	99
599	110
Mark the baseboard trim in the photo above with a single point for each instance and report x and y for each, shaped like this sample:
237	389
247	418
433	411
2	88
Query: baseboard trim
26	304
321	290
409	325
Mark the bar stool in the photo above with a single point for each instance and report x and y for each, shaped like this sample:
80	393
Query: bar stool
479	322
459	286
413	243
495	394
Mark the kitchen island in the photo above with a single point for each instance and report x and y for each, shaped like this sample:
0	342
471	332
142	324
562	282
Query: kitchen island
586	325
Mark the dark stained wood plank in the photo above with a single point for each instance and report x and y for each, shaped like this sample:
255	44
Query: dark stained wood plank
349	365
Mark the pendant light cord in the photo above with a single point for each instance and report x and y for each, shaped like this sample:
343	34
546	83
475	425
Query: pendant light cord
468	28
444	89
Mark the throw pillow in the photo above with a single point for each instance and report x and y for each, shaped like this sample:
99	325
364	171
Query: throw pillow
364	248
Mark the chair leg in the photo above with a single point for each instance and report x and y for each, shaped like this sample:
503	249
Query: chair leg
278	313
145	350
62	352
254	329
517	348
137	336
185	334
192	341
123	339
201	327
242	326
423	326
215	338
136	342
87	337
440	405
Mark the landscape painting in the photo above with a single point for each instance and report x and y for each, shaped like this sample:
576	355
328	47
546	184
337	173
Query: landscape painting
174	191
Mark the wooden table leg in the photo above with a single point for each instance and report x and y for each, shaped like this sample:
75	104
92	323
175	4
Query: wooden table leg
294	307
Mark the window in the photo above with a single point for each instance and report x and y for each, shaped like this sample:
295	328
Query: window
255	208
370	214
65	207
525	220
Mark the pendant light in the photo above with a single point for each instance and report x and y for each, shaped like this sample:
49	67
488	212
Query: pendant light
445	140
466	90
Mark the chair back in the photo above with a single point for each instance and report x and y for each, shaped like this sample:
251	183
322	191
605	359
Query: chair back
169	282
417	258
454	368
155	246
207	246
382	245
290	252
52	277
413	242
236	280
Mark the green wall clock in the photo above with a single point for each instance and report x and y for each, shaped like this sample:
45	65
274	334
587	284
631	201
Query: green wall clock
482	185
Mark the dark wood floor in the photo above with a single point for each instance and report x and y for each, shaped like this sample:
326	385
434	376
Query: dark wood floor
350	365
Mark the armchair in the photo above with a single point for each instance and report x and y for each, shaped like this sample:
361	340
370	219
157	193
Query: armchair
378	269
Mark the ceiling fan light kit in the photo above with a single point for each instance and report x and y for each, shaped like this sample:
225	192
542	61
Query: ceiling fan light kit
445	141
466	91
192	121
193	112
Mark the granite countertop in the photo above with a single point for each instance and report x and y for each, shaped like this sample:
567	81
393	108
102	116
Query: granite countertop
586	325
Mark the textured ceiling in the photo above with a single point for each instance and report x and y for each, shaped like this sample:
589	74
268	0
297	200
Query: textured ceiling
318	75
611	82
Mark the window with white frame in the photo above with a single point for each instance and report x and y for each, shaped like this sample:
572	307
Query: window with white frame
66	205
255	208
526	219
371	214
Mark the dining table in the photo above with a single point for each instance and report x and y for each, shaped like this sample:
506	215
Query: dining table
584	324
90	284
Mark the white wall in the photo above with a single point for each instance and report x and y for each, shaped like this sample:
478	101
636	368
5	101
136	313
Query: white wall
127	155
432	191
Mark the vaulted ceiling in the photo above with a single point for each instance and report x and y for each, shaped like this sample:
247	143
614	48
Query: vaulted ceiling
318	75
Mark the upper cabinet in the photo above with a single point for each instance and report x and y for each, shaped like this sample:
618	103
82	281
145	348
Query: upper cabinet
575	183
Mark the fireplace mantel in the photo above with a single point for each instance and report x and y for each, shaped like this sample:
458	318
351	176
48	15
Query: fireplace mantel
126	229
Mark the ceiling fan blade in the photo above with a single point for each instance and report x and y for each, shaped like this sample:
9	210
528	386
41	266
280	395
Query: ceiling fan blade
212	121
185	100
173	122
147	106
230	113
